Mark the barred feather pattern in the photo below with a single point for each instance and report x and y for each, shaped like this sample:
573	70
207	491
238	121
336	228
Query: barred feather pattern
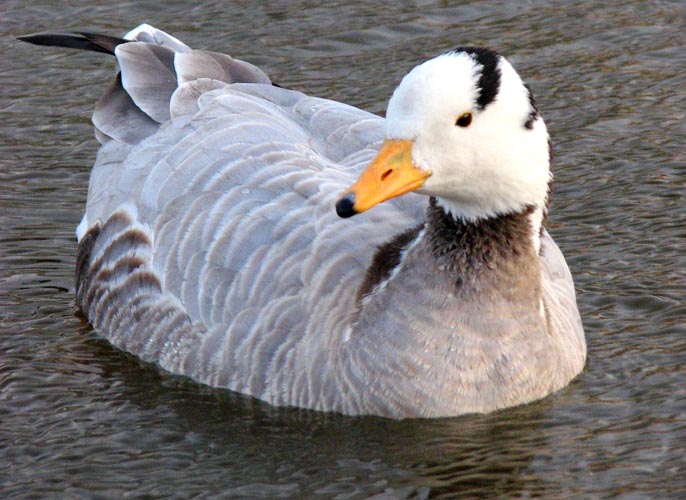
238	235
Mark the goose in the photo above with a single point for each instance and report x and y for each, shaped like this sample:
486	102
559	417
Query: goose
217	240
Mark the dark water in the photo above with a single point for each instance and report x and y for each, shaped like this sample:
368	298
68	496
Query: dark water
79	419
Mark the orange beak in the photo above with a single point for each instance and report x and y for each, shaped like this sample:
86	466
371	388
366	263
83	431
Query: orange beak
390	174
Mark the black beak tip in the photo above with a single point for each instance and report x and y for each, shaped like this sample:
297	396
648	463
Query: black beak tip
344	206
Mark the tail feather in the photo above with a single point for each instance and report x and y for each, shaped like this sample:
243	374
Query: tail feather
93	42
154	66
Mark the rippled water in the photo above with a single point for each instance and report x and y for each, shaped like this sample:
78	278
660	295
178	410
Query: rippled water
82	420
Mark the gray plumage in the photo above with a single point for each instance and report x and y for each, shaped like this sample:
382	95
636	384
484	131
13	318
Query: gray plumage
210	245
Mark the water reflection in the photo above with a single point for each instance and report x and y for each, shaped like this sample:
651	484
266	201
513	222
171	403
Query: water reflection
425	458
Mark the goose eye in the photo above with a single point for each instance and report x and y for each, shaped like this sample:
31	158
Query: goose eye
464	120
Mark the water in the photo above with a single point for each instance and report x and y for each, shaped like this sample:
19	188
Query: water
79	419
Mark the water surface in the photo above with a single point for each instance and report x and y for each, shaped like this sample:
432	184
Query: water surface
79	419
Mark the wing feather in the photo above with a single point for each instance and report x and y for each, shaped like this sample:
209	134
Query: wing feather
229	189
559	295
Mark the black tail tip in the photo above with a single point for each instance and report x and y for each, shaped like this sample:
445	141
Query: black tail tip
82	41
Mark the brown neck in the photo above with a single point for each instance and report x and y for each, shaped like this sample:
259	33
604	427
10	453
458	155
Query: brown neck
494	252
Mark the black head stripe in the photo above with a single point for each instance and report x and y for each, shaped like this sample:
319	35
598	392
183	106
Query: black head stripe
489	80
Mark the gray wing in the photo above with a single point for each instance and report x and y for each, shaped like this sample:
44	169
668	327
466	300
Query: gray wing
559	298
216	228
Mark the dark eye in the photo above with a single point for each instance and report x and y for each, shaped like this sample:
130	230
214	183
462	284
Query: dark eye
464	120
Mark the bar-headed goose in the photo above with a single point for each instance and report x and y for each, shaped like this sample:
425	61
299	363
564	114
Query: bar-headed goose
211	246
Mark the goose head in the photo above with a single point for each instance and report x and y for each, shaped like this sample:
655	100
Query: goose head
461	127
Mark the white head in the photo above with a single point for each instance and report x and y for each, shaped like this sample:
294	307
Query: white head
473	135
498	163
